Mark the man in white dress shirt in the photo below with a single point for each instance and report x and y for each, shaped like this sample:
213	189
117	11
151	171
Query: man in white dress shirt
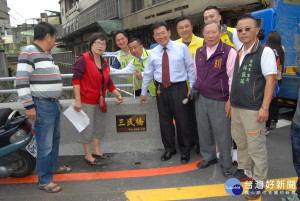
170	64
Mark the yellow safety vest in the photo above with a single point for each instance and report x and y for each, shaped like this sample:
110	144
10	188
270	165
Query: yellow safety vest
140	67
195	43
227	35
193	46
124	60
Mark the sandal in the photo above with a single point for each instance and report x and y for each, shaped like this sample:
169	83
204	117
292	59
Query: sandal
103	156
48	188
95	162
62	170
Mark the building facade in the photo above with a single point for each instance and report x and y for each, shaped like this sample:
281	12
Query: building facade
23	34
5	34
81	18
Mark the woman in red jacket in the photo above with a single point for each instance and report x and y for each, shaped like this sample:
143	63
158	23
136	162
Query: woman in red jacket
90	80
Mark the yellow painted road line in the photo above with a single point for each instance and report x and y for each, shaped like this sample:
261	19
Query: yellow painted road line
207	191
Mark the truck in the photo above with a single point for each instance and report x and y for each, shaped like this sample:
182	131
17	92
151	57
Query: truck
284	17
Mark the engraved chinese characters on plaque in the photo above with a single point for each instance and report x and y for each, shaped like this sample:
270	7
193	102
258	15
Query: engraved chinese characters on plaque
131	123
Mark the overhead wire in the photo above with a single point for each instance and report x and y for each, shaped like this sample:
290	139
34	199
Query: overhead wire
16	11
15	19
9	6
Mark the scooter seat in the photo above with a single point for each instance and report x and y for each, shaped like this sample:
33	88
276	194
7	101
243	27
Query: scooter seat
4	114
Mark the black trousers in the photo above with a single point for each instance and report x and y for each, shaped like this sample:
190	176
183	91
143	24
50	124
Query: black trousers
169	104
273	112
193	123
138	92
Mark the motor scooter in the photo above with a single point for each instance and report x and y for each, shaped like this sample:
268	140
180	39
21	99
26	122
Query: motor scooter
17	144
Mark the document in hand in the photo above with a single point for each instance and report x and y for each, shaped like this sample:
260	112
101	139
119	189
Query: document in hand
79	119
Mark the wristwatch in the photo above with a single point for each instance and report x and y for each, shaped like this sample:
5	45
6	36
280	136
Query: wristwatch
266	108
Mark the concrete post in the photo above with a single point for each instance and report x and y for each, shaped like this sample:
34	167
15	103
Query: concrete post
3	64
3	73
28	40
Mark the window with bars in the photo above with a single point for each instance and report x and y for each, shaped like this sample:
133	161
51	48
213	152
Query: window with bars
157	1
137	5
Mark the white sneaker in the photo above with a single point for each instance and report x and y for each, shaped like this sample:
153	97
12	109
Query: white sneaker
234	155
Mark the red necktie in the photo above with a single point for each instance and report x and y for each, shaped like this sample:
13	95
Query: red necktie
165	69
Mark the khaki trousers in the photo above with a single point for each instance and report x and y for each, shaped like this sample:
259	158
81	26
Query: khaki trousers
250	138
96	128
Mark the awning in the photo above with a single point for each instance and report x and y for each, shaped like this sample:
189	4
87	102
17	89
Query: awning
110	25
27	33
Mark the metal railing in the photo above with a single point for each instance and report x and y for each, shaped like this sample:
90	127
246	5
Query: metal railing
64	57
65	61
69	58
70	88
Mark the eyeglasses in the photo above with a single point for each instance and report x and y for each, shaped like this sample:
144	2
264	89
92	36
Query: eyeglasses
100	44
247	29
160	34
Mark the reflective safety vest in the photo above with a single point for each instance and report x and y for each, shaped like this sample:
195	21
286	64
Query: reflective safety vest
124	58
140	67
195	43
227	35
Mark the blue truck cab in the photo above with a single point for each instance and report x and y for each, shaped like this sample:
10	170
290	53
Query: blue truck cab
284	18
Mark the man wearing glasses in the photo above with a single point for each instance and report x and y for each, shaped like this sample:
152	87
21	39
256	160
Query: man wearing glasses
251	93
170	64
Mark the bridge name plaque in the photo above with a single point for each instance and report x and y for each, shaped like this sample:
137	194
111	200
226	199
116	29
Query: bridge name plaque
131	123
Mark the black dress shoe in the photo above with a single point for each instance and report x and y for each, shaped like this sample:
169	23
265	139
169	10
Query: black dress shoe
185	158
205	164
168	155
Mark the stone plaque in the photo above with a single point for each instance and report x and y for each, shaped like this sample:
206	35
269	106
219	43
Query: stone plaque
131	123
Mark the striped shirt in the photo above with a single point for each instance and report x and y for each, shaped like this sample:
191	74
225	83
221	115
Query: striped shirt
37	76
